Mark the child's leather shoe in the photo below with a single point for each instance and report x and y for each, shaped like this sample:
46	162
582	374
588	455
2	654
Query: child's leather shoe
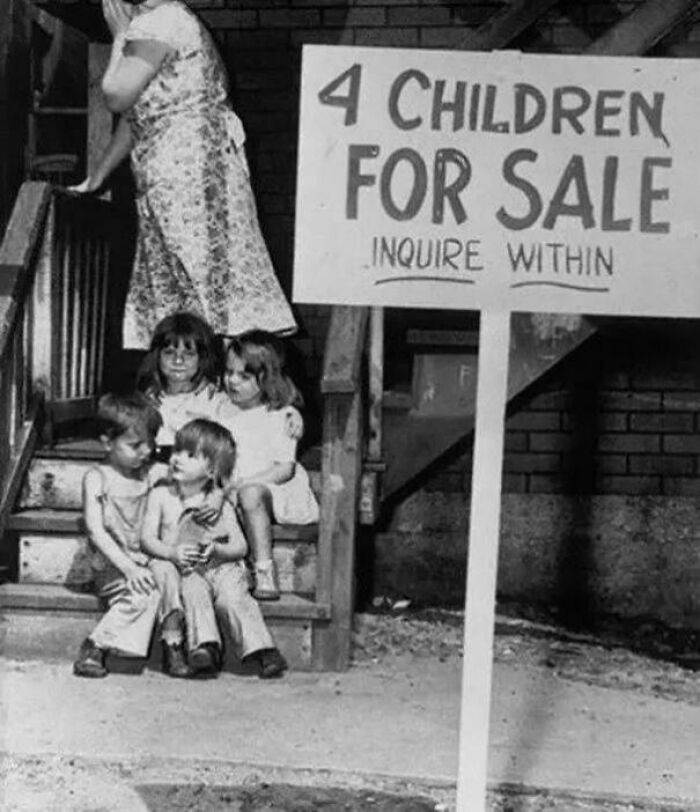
175	661
205	660
269	661
91	660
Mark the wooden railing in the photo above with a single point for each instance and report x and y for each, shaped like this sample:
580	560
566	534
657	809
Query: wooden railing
54	276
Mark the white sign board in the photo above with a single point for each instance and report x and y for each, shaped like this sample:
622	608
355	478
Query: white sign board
479	180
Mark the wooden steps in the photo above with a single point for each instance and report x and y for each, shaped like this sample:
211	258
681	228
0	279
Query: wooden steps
56	598
52	573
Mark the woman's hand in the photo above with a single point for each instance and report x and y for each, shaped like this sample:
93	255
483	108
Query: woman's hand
89	186
117	15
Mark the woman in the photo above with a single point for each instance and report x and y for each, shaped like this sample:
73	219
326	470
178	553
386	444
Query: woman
199	244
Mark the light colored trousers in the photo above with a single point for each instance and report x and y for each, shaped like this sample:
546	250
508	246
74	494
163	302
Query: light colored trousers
127	625
221	590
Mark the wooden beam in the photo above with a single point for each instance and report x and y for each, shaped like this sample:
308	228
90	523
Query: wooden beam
343	353
642	28
341	468
505	25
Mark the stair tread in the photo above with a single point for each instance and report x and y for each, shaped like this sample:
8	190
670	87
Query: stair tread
91	450
46	520
59	598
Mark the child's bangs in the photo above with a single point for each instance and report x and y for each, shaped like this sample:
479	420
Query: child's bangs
190	440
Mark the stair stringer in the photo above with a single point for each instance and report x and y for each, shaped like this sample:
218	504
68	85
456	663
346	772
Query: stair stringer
539	341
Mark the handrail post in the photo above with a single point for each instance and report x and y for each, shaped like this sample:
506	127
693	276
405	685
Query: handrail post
341	467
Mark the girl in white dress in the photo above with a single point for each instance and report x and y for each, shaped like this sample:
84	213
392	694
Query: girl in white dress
269	485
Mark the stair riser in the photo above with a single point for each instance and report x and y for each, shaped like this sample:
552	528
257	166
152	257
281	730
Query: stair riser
58	484
45	636
65	559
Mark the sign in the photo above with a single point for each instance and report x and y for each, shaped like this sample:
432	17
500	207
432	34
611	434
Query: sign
467	180
496	182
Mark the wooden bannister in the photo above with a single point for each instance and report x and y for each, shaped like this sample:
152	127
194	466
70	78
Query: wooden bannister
19	404
54	277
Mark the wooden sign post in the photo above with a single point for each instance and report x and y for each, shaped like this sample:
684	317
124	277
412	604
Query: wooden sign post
496	182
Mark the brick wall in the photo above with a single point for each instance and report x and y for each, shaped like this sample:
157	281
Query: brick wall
618	418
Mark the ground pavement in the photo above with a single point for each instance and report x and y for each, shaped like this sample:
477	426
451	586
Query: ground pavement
560	723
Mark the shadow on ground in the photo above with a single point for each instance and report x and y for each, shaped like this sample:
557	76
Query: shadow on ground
275	798
291	798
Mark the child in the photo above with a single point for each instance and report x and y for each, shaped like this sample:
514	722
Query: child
269	484
200	568
181	373
114	500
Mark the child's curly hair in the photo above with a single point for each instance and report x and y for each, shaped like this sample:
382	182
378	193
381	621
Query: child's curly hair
195	334
264	356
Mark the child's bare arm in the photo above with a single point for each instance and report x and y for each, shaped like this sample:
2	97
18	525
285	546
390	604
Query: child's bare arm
235	546
151	543
139	576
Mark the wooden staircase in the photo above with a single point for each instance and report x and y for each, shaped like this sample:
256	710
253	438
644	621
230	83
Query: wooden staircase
376	443
53	554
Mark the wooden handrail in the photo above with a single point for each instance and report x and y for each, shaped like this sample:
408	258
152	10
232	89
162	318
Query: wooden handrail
54	276
19	246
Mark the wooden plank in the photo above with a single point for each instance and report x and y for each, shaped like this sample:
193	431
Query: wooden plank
505	25
18	463
343	353
62	555
482	560
56	598
341	467
46	520
642	28
42	311
25	225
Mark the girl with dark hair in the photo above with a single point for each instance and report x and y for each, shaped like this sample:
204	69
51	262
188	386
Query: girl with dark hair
180	373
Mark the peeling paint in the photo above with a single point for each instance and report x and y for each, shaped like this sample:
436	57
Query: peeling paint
555	326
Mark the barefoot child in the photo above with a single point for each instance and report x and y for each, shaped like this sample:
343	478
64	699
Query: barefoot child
269	485
200	569
114	500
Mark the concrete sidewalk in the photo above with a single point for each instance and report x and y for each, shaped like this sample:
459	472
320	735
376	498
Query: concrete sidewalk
392	723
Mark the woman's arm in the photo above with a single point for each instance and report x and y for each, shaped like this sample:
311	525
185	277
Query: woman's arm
132	64
118	148
139	576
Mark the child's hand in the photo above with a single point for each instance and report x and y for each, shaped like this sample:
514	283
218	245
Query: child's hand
206	552
185	557
211	508
294	425
140	579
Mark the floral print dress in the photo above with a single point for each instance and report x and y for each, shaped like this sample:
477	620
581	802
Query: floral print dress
199	246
